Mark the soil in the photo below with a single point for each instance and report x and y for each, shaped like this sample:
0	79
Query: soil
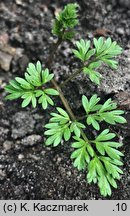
28	169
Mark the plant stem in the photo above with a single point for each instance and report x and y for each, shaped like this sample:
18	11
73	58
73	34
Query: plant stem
63	99
72	76
52	52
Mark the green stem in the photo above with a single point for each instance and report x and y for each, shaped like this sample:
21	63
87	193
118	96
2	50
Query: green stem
72	76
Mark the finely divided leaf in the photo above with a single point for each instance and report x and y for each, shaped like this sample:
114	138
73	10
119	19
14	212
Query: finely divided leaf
96	112
65	22
106	50
30	88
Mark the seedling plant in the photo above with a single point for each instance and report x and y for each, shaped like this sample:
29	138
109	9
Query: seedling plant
100	157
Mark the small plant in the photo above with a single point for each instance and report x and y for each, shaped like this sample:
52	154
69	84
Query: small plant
100	156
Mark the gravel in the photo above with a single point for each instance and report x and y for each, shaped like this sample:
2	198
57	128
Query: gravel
31	140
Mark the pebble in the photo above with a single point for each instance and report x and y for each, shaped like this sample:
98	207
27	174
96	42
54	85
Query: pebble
43	153
31	140
120	31
2	174
69	173
20	157
7	145
5	61
34	157
59	159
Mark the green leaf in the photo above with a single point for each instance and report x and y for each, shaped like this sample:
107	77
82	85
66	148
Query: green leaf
85	103
63	112
65	21
104	174
38	66
104	186
112	181
92	174
67	134
51	91
81	157
26	88
91	120
93	75
94	65
106	50
105	146
68	35
106	112
82	52
24	84
49	100
34	102
46	77
89	105
13	96
105	135
58	128
100	148
26	101
113	153
15	85
89	54
44	103
82	153
76	130
57	141
78	55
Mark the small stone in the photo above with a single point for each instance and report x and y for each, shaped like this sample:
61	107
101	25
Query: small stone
7	145
5	61
29	36
4	38
1	166
43	153
120	31
31	140
34	157
19	2
19	52
20	157
59	159
69	173
2	173
109	7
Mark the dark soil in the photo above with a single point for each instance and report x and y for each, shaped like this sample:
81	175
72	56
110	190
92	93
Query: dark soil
29	170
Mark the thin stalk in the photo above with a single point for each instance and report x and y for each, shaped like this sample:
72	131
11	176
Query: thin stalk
61	95
52	52
72	76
